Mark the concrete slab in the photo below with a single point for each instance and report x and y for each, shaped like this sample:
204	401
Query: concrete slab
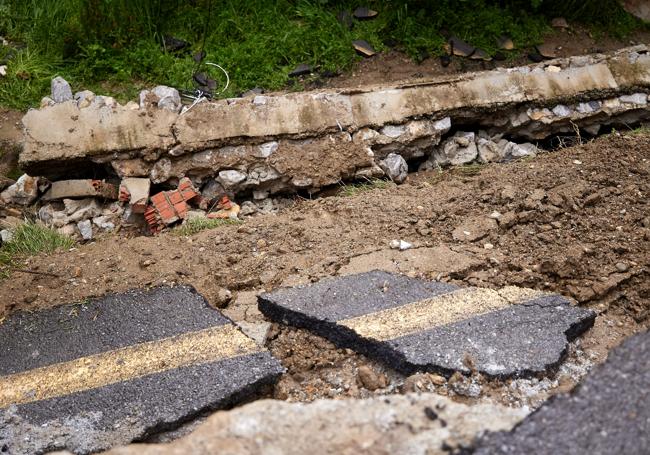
414	325
90	376
70	189
608	413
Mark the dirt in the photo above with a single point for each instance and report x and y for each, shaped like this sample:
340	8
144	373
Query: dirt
574	221
396	66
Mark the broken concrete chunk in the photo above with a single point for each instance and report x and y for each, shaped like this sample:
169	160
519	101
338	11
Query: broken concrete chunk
84	98
85	229
640	99
135	191
395	167
81	209
414	325
79	189
168	98
231	178
60	90
132	168
104	222
161	171
457	150
85	378
607	413
23	192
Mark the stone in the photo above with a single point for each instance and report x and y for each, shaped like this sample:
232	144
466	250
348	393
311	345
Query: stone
131	168
395	167
60	90
121	368
81	209
414	325
23	192
399	424
168	98
640	99
6	236
400	245
267	149
393	131
561	111
247	208
231	178
135	191
104	222
84	98
66	189
161	171
370	379
489	151
85	228
457	150
258	331
213	190
607	413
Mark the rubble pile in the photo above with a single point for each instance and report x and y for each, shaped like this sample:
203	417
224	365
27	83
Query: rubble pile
159	158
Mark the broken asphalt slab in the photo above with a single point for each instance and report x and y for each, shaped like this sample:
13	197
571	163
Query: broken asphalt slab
90	376
609	412
415	325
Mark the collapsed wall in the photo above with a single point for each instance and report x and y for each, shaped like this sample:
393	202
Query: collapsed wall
264	145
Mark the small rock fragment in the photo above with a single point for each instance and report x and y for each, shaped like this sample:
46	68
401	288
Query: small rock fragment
61	90
395	167
363	48
23	192
85	229
370	379
301	70
460	47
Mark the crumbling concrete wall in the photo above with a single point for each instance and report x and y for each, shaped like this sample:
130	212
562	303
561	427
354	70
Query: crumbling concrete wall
306	141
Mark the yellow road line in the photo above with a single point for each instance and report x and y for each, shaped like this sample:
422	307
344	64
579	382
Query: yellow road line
98	370
443	309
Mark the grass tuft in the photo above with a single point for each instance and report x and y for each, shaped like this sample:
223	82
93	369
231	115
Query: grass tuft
194	225
354	189
30	239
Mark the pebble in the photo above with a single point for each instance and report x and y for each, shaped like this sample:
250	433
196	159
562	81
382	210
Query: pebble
488	246
495	215
400	245
622	267
370	379
577	162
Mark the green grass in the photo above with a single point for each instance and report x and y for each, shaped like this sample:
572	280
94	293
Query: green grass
194	225
30	239
354	189
114	47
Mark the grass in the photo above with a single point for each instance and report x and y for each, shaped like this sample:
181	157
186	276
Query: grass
115	47
195	225
354	189
30	239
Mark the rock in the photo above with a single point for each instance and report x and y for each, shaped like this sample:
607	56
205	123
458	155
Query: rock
370	379
168	98
400	245
460	48
85	229
391	424
258	331
6	236
415	325
363	48
465	386
5	182
622	267
559	22
60	89
3	70
131	168
104	222
131	362
135	191
301	70
457	150
247	208
640	99
81	209
222	297
395	167
161	171
23	192
473	229
562	111
231	178
84	98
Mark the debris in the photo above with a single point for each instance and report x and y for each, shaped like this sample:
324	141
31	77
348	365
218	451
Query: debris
400	245
227	210
559	22
104	222
6	236
61	91
135	191
395	167
414	325
168	207
63	367
3	70
547	50
456	150
85	229
301	70
168	98
370	379
80	209
505	42
363	48
231	178
364	13
79	189
607	413
459	47
23	192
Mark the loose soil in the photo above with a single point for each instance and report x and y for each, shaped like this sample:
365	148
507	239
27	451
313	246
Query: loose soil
575	221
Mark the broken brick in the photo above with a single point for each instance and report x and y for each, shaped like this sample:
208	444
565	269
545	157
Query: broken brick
168	207
135	191
66	189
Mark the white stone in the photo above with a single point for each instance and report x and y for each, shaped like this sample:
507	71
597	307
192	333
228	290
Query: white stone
85	229
268	148
443	125
637	98
84	98
393	131
259	100
23	192
3	70
457	150
81	209
561	110
60	90
161	171
168	98
395	167
6	235
258	195
231	178
104	222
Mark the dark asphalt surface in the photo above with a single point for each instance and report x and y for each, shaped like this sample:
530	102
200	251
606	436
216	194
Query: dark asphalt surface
608	413
519	340
101	417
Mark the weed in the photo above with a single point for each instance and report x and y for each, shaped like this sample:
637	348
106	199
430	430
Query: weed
354	189
468	170
30	239
194	225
